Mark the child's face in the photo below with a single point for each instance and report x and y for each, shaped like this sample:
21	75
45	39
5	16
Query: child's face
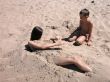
83	17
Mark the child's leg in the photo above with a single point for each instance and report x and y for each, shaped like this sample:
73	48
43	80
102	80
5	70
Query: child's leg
81	64
73	60
81	39
60	60
73	36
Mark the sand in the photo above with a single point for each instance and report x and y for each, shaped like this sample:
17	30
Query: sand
17	19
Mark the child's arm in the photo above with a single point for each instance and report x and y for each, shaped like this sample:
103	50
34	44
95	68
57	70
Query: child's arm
89	33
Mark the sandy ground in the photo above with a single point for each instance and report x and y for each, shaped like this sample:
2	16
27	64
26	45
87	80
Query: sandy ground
18	17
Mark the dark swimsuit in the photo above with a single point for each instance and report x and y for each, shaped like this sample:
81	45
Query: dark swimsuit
78	32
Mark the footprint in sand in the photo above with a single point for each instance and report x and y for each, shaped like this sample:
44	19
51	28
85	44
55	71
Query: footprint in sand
68	25
105	49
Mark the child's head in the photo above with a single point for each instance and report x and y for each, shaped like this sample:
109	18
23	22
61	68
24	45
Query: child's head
36	33
84	13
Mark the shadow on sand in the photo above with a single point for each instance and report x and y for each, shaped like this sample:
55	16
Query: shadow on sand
72	67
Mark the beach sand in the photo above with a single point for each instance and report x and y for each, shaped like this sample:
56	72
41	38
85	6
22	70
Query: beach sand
56	17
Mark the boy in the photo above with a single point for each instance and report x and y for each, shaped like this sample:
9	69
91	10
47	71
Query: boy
84	30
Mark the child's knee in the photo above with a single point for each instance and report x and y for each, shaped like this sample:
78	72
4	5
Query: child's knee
70	60
81	39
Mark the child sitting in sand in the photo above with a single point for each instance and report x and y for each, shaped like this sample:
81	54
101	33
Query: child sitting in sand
83	32
36	35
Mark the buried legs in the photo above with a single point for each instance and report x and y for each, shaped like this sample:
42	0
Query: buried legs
73	60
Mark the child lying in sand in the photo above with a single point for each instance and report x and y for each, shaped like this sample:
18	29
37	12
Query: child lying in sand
83	32
35	43
58	60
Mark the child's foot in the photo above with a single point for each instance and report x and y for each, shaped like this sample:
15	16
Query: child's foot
82	65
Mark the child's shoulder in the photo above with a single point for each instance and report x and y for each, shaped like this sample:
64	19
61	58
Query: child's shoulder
90	22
